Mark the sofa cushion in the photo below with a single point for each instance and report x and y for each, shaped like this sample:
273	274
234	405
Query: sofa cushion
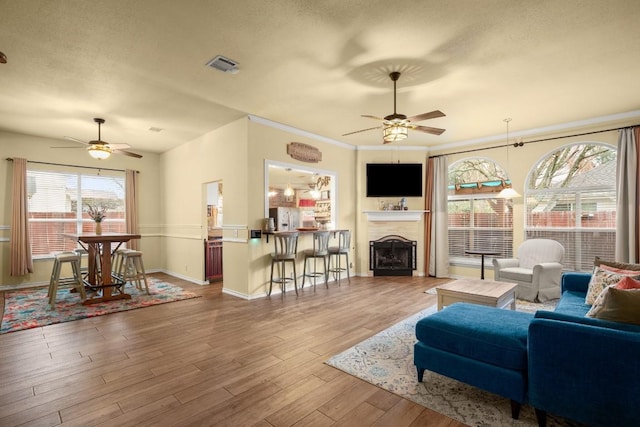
517	273
618	305
603	277
487	334
621	265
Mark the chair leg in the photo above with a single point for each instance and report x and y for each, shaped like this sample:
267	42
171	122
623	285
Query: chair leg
304	272
271	279
347	267
541	416
325	265
78	277
295	277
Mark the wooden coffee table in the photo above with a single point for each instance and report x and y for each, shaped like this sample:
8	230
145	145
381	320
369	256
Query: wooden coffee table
475	291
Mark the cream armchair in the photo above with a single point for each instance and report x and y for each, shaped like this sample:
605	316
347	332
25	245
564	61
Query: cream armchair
537	270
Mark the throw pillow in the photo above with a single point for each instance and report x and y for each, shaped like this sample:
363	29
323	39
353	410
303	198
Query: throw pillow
617	305
628	283
625	266
601	278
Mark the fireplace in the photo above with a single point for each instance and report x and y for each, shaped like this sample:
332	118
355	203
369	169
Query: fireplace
392	256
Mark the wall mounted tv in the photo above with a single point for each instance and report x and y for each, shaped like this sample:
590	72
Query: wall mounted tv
394	179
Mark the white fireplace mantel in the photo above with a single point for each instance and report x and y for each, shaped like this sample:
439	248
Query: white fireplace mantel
394	215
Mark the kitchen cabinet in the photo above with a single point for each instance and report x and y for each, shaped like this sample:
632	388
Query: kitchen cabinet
213	259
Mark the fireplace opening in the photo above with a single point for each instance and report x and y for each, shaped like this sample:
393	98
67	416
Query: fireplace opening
392	256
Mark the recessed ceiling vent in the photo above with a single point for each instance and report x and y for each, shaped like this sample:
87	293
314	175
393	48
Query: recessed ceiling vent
223	64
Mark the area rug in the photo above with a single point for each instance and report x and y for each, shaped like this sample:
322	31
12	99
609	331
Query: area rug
28	308
386	360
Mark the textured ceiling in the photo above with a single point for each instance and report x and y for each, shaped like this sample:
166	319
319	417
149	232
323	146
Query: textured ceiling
316	66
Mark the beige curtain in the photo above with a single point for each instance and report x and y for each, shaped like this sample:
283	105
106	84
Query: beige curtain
131	206
436	220
20	246
628	192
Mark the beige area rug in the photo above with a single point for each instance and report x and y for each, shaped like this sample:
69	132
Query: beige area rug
386	360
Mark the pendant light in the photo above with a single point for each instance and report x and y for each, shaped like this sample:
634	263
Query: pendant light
508	193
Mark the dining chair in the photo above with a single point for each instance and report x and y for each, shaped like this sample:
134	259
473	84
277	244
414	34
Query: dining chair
320	250
285	250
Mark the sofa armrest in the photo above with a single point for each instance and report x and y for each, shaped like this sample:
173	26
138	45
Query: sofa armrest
584	372
574	281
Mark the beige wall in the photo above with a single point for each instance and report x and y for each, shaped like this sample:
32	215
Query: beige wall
39	149
172	196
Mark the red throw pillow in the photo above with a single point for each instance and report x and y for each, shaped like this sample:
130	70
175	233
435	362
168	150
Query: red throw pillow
628	283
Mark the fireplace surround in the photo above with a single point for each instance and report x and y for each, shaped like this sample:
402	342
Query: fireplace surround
392	255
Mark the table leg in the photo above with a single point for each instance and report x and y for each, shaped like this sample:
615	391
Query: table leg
105	274
481	266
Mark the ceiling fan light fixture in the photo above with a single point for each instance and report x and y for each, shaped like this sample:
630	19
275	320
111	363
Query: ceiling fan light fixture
99	151
395	132
508	193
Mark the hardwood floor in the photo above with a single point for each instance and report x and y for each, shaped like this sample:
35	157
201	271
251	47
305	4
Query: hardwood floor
215	360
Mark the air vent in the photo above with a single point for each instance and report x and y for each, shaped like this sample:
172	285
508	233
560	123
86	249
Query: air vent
223	64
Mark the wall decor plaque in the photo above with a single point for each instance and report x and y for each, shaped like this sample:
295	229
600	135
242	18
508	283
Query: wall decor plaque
304	152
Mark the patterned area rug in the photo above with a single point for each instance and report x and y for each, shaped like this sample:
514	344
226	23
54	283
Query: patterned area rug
29	308
386	360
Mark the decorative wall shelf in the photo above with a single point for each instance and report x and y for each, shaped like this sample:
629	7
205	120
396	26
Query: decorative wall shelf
394	215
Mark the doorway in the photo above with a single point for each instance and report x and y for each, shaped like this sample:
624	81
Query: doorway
213	242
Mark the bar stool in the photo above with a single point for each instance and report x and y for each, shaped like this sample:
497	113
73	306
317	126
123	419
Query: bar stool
55	280
320	250
286	246
131	268
344	242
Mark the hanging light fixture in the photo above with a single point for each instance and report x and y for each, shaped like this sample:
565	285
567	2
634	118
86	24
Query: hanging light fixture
99	151
395	131
288	192
508	193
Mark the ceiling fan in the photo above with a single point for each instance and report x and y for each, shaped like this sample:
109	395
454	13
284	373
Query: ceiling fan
395	127
99	149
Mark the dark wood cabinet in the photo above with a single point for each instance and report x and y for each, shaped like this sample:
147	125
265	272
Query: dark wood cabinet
213	259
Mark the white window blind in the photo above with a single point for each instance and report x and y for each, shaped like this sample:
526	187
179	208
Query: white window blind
478	220
572	199
57	205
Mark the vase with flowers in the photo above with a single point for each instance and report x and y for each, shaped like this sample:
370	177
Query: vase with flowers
97	214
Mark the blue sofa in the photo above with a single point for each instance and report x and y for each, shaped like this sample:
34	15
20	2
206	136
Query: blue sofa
582	368
559	362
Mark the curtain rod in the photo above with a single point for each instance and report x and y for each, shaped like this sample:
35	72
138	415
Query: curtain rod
521	143
73	166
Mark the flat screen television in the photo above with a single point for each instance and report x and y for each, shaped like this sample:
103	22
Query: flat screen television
394	179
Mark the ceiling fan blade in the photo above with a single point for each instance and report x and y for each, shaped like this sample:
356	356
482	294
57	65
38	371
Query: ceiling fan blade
427	129
425	116
127	153
70	138
372	117
118	146
67	147
361	130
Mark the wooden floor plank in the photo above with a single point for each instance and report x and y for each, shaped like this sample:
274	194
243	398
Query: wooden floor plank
214	360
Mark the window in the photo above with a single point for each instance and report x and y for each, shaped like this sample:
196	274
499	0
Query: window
57	205
478	220
571	198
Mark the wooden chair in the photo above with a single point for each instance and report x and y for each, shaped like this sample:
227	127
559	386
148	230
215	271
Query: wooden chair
320	250
130	268
286	247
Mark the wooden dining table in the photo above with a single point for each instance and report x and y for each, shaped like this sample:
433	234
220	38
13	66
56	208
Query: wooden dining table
100	277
